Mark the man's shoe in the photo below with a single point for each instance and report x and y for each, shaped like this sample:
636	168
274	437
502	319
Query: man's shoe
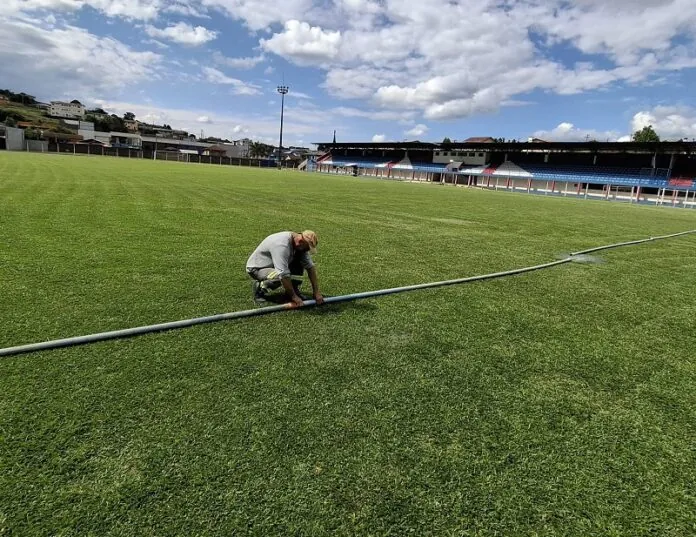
258	292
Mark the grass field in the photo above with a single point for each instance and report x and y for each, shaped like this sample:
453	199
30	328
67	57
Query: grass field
560	402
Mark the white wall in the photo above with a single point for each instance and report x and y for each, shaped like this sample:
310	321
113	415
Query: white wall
478	158
103	137
70	110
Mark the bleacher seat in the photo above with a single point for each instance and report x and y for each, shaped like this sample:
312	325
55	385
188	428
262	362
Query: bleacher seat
592	174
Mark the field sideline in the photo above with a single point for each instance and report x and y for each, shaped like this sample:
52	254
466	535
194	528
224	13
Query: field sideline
552	403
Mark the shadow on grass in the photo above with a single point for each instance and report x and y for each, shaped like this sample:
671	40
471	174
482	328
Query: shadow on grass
326	309
333	309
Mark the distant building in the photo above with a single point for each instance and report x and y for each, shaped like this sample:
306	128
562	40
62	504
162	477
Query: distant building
216	151
242	148
72	110
79	125
132	125
4	99
112	139
170	134
480	140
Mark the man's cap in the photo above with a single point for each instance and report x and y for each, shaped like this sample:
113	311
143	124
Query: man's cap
311	239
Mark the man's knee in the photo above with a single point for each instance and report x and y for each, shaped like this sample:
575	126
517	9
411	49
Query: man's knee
268	276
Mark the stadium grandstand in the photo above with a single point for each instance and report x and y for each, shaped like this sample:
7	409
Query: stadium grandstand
660	173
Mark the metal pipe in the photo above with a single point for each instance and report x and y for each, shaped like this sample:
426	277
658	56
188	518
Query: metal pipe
141	330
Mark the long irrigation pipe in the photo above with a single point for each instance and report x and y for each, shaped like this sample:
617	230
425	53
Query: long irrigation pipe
129	332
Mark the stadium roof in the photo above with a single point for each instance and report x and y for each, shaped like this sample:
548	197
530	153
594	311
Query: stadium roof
585	147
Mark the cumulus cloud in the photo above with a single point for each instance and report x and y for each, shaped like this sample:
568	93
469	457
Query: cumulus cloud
69	60
403	55
261	14
129	9
425	59
567	132
304	44
379	138
418	130
669	122
182	33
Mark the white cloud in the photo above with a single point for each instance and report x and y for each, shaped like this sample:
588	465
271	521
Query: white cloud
418	130
402	55
238	63
408	60
375	115
567	132
158	44
69	61
299	95
129	9
204	119
260	14
187	10
183	33
379	138
669	122
239	87
304	44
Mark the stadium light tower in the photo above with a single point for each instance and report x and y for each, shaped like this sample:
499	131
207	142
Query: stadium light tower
283	90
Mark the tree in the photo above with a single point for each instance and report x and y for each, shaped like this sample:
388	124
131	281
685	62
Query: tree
646	134
32	134
10	121
129	116
446	141
260	150
106	123
22	97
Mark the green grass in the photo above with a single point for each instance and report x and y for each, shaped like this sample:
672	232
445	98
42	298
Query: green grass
29	113
559	402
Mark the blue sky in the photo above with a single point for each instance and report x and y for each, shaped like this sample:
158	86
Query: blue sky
370	69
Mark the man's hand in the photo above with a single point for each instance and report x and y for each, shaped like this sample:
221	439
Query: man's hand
319	299
296	302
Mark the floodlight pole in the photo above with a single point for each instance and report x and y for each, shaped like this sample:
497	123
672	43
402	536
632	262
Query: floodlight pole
283	90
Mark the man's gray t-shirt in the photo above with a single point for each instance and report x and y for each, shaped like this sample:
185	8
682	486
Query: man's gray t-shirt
277	251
